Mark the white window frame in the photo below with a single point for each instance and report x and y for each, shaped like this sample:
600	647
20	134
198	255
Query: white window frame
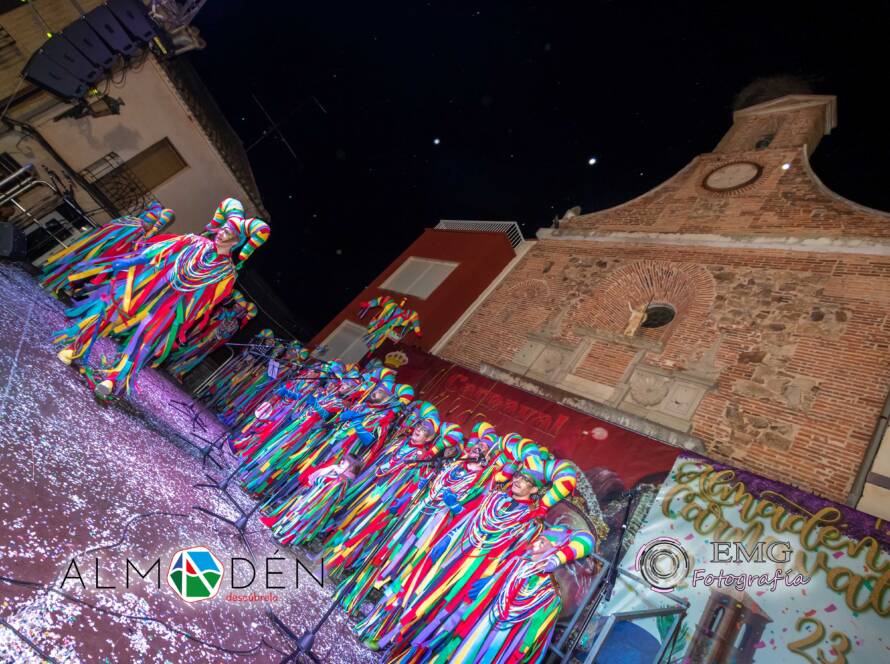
357	345
411	260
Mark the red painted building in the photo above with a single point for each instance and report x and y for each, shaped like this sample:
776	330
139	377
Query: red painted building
441	275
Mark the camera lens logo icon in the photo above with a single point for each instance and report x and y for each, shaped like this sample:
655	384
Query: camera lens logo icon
663	563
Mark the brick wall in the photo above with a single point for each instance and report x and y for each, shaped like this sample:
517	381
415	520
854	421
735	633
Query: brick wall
800	358
776	359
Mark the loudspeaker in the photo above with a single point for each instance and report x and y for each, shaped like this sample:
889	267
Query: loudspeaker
110	30
132	16
59	50
53	77
13	243
85	40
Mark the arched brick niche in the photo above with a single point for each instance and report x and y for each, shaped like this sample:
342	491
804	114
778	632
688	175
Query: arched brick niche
530	290
686	287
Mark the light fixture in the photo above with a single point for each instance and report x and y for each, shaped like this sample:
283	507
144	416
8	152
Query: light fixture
436	141
591	161
786	166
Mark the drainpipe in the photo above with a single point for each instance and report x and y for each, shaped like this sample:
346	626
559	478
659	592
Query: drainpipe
92	190
870	453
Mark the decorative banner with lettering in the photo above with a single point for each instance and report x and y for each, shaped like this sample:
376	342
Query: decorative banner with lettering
812	581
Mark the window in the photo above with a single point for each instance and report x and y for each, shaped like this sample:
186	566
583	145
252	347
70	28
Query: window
345	343
658	315
10	55
716	619
128	184
418	277
156	164
8	165
764	141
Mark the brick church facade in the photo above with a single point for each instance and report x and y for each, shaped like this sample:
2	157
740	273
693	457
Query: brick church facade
767	300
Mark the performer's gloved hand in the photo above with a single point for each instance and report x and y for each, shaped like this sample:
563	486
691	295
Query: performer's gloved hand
397	506
440	548
477	587
124	264
451	502
365	436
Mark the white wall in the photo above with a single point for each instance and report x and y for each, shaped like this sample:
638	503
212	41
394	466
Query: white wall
152	111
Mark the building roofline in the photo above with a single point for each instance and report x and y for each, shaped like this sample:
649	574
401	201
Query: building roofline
794	103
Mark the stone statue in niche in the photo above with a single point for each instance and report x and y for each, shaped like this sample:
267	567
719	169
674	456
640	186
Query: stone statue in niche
637	318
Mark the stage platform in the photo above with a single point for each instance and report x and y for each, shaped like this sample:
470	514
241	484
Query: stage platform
113	482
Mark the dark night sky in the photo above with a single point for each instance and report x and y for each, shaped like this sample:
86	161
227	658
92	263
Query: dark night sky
520	95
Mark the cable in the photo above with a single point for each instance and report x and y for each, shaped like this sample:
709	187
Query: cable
33	645
268	315
71	598
127	527
12	97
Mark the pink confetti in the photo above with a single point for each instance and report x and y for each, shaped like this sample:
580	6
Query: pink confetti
810	613
838	554
760	644
689	536
830	608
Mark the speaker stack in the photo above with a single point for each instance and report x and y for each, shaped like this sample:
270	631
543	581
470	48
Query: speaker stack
13	243
75	59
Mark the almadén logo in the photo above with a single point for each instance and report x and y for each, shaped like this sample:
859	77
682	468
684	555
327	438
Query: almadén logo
196	573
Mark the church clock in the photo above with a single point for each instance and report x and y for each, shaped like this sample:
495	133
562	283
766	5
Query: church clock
730	177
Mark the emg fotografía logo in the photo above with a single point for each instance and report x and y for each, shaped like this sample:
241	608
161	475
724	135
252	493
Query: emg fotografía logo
663	563
195	574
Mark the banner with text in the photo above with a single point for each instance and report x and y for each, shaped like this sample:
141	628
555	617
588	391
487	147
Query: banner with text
772	574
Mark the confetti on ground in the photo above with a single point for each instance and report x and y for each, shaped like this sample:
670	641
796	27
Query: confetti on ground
79	475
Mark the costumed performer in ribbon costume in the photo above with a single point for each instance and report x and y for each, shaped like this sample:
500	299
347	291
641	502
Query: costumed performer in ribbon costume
467	556
225	322
117	237
391	321
458	489
158	293
219	392
516	625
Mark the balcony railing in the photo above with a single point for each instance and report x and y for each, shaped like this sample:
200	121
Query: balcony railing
119	184
508	228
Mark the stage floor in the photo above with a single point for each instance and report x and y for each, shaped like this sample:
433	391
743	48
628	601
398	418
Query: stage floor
77	475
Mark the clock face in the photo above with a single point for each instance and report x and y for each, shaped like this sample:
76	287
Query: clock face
732	176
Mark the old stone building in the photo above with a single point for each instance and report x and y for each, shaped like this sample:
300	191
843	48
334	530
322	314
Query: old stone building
766	296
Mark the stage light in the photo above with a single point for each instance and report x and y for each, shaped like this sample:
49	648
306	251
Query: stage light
786	166
591	161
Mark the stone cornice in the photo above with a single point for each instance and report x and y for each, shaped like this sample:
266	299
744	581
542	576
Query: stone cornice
827	245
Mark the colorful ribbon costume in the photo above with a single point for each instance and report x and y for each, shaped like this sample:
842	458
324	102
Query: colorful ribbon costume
118	236
218	393
466	557
224	323
155	295
392	321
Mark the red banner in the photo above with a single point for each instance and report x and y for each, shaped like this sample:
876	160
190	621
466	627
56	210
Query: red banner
465	397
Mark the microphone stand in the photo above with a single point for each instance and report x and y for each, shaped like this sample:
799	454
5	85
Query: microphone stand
305	641
240	523
612	576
